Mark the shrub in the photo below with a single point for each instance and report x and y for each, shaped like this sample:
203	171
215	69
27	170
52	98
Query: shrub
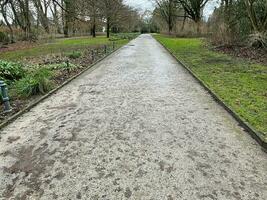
34	83
258	40
74	55
11	71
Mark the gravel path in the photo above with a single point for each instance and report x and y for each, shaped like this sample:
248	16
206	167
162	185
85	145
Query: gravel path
137	127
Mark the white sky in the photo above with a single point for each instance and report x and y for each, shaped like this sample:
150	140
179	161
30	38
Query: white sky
143	5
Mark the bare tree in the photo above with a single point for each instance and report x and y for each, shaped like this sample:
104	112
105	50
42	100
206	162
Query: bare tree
56	16
110	10
259	23
23	16
93	12
193	9
71	16
42	12
167	10
3	9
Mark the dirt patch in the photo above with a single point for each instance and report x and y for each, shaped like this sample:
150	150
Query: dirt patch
17	46
250	53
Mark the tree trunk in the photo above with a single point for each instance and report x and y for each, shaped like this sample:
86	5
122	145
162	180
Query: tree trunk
170	28
7	23
67	17
46	26
22	20
54	12
27	20
170	17
17	19
42	14
252	15
94	27
66	30
94	31
108	27
184	21
198	23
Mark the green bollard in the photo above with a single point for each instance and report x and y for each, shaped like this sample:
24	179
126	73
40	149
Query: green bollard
113	45
93	55
105	48
68	66
7	107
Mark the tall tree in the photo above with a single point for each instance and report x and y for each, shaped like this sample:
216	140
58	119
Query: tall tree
3	9
92	11
193	9
257	13
41	7
69	8
56	17
23	16
110	10
167	10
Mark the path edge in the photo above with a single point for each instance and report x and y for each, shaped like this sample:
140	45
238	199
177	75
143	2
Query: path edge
248	128
38	101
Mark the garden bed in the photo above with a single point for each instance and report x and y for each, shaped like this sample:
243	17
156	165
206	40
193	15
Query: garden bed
258	55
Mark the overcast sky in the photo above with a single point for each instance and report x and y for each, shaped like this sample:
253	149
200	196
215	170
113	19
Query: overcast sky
143	5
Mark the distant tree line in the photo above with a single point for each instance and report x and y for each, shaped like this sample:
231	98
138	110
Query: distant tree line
172	10
236	21
233	21
68	17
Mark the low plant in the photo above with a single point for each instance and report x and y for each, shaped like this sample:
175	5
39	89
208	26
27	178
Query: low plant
63	66
69	66
38	82
74	55
11	70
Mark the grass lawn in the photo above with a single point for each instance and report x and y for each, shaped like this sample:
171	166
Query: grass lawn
59	45
242	85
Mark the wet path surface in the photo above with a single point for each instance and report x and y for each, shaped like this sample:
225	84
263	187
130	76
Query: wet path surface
137	127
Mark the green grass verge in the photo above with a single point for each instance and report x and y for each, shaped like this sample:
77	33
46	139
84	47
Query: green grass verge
59	45
242	85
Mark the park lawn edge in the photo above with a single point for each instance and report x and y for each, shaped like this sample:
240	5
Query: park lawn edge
57	46
259	137
89	69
